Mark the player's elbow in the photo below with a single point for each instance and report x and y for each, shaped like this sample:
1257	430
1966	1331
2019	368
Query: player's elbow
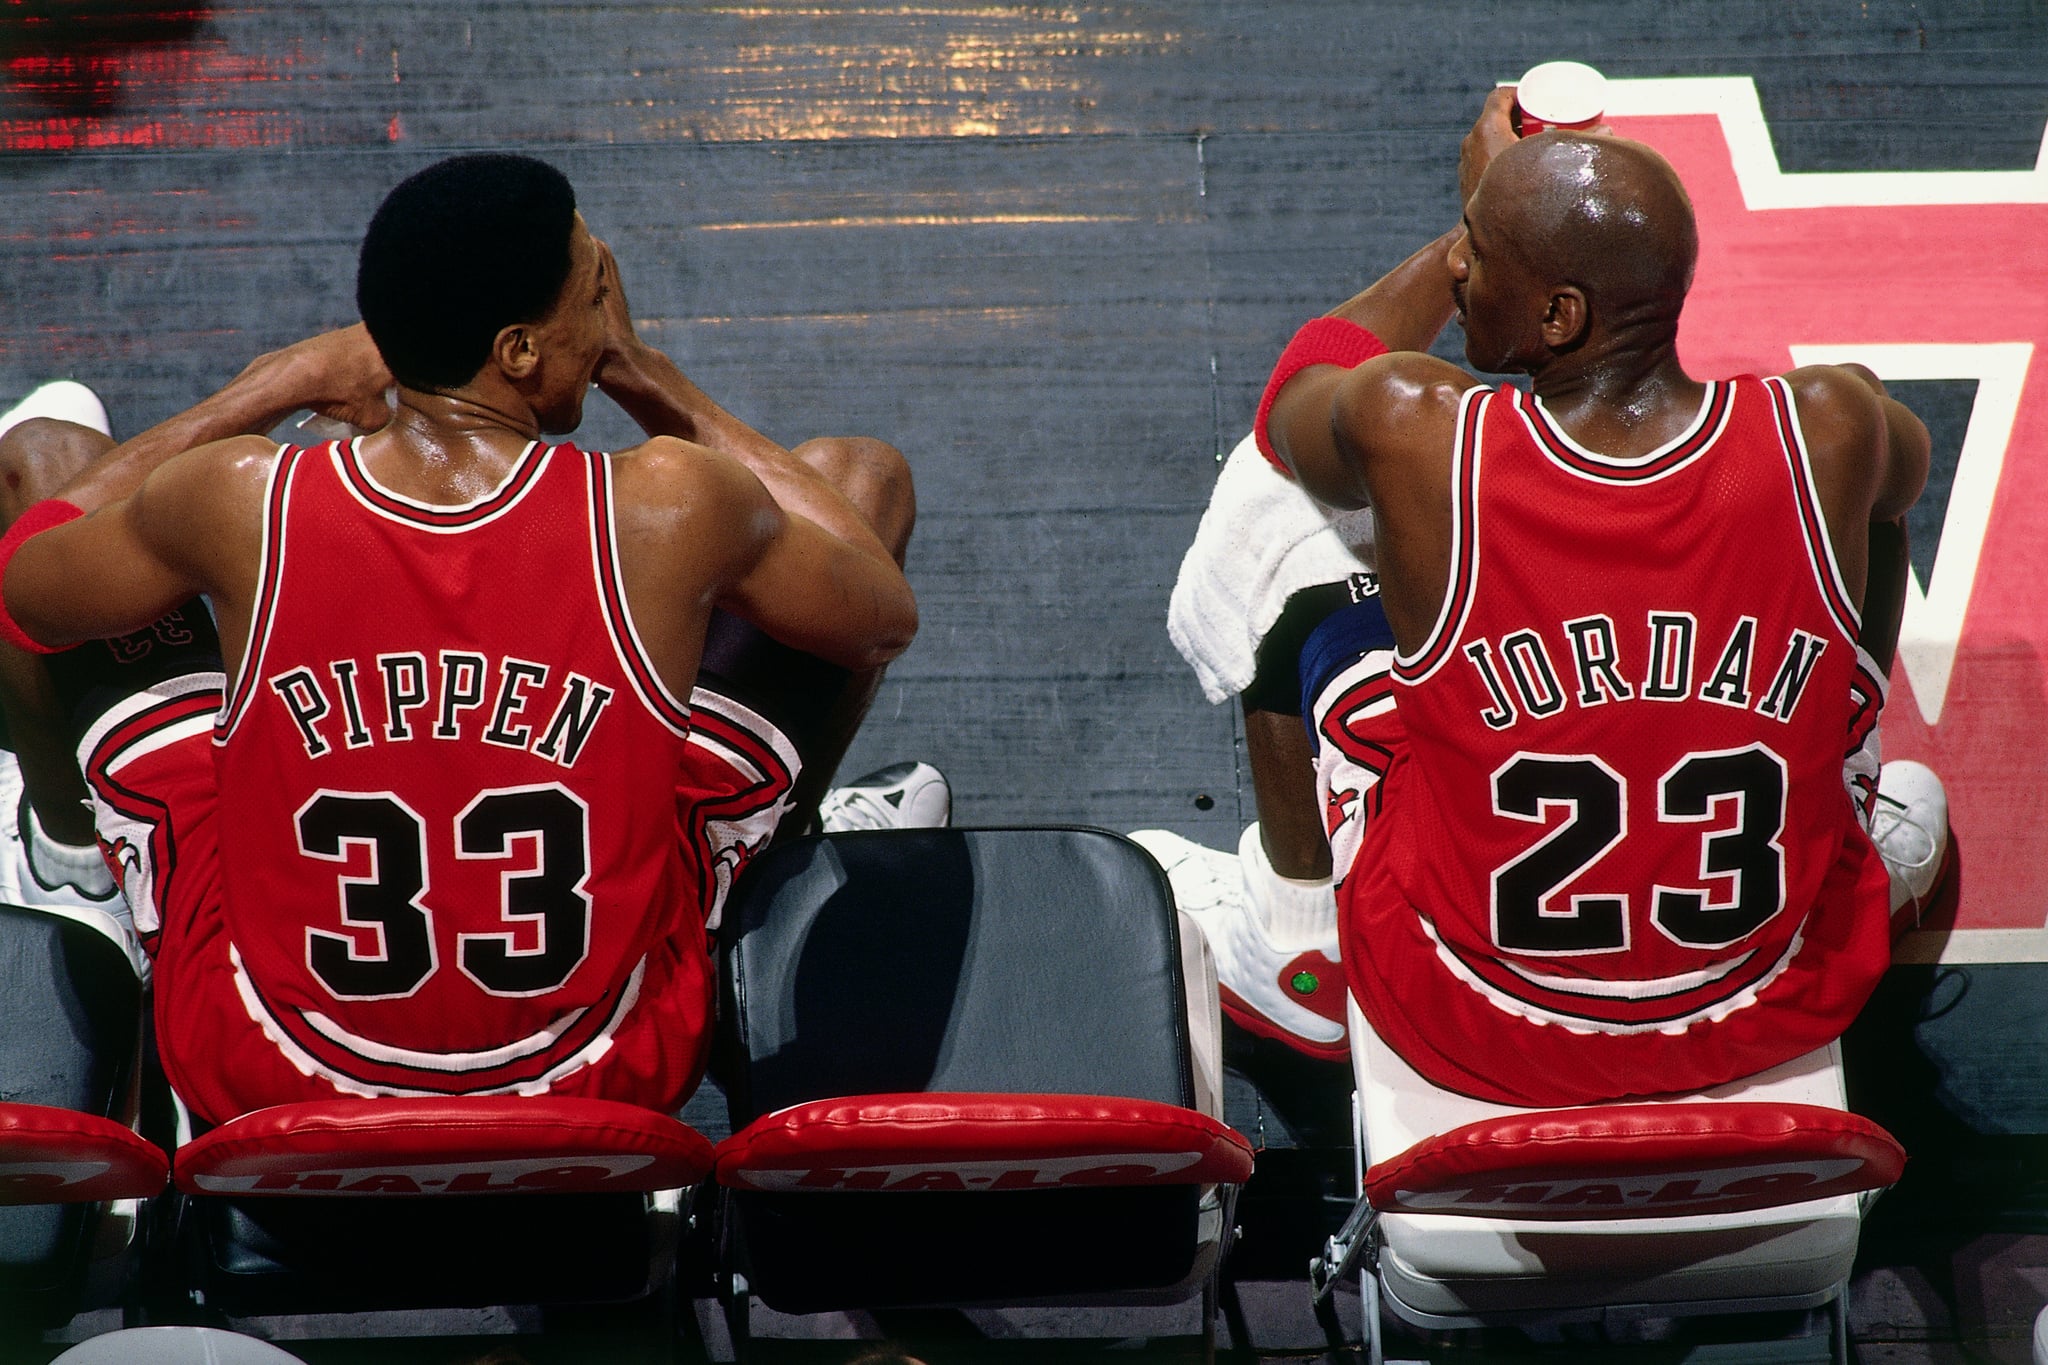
34	621
869	619
1907	452
29	630
895	626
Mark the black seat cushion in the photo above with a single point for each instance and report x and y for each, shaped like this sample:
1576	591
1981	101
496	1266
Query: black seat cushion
1033	961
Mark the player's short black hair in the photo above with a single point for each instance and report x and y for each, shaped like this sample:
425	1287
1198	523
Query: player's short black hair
455	254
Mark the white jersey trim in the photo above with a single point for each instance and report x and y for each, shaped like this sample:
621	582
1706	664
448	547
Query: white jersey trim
1463	586
262	612
1535	410
1820	546
1522	1009
451	1063
634	662
530	466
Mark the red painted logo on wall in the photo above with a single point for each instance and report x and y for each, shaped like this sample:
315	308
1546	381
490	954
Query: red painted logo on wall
1920	275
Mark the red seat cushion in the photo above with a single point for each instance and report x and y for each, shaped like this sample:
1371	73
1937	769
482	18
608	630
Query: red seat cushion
469	1145
1639	1161
60	1156
981	1142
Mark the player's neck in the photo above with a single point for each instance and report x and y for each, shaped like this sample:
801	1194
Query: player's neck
468	416
1622	401
446	447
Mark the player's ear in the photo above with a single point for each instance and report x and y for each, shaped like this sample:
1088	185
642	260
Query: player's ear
1566	319
514	352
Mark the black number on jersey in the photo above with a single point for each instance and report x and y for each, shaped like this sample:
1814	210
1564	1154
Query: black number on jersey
1754	777
552	895
1592	792
392	898
388	900
1747	859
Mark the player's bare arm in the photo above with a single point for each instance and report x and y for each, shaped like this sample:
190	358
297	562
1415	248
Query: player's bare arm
165	520
1405	309
1870	457
690	515
1321	419
182	533
654	391
1905	451
337	374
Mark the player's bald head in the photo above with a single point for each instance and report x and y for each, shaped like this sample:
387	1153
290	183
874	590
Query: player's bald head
1602	213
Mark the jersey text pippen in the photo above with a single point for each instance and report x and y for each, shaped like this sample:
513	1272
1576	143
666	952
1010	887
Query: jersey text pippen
400	697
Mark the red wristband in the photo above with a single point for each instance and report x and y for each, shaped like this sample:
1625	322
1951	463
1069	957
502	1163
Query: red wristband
1321	341
37	519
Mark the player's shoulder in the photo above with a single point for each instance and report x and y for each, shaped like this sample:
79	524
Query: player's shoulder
1408	383
696	500
1401	407
219	472
666	469
1831	391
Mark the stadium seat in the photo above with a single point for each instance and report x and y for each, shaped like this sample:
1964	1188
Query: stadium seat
355	1205
72	1169
1745	1198
959	1069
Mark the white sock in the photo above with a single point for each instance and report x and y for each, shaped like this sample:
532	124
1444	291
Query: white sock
58	864
1297	915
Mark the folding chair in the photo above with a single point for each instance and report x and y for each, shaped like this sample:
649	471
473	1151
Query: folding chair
959	1068
1744	1198
72	1169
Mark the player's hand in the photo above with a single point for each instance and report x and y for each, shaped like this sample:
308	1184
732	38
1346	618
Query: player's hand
338	374
621	341
1494	132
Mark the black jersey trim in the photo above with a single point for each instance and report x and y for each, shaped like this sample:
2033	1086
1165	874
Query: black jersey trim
618	616
1473	408
1716	407
525	472
1820	548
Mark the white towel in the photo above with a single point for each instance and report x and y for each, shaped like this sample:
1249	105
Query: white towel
1262	540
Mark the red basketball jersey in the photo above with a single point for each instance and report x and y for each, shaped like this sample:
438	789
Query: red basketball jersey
448	781
1620	816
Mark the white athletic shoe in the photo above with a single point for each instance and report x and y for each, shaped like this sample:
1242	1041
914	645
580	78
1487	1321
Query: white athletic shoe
67	400
1293	995
1909	825
900	796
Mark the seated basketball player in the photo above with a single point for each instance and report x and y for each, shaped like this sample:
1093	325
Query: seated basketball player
1583	752
1272	563
447	809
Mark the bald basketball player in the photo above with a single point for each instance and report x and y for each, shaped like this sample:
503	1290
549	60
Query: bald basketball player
450	811
1582	758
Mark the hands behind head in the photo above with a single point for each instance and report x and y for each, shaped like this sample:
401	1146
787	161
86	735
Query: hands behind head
337	374
1492	134
619	337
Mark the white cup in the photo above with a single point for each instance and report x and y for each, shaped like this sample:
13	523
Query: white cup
1568	95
